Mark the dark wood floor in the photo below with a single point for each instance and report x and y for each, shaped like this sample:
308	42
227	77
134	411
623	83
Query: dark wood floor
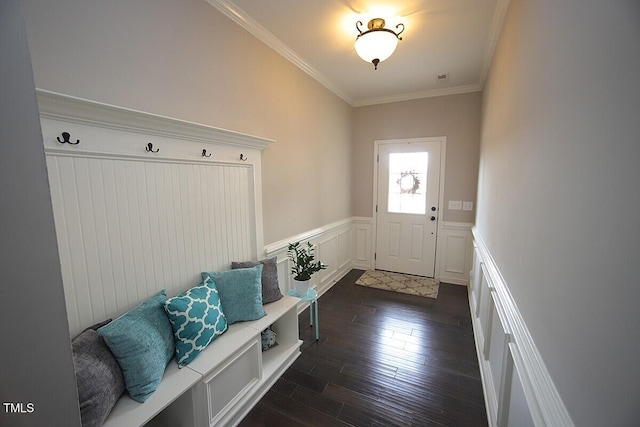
383	359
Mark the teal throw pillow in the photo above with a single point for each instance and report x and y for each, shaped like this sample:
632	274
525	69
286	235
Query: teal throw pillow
142	342
197	319
240	293
270	287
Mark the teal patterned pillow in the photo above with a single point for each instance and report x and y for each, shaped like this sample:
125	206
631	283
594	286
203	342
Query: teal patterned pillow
197	319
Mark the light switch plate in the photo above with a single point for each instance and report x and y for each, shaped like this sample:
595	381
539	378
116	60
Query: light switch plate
455	205
467	206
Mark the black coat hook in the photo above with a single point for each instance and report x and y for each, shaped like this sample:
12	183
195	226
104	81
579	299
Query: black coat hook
243	158
65	139
149	148
204	153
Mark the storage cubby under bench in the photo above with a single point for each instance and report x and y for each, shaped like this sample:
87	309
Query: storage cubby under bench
225	381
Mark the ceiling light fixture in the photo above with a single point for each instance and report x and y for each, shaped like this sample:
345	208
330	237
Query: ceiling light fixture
377	43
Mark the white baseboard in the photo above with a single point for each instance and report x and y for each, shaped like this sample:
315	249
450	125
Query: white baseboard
348	244
517	386
454	251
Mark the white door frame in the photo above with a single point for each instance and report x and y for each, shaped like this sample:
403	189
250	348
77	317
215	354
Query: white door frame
442	140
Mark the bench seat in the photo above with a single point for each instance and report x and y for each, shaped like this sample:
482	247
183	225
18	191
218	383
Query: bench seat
225	381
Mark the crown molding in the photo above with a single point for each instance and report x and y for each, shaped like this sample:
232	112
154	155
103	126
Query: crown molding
496	27
240	17
456	90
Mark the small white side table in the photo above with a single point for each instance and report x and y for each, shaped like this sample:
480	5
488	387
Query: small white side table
312	298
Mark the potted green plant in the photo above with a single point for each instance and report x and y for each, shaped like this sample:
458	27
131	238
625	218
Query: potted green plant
303	265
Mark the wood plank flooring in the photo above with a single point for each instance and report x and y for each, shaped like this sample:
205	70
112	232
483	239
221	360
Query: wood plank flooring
383	359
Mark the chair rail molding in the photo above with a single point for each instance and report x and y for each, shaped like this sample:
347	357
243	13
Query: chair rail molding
333	245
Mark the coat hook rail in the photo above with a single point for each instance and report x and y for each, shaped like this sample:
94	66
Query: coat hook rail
243	158
204	153
66	139
149	148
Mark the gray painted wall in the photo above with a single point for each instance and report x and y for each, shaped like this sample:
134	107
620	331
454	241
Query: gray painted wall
185	59
35	362
457	117
558	199
559	193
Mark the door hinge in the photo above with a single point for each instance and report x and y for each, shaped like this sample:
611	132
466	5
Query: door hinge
375	256
376	208
378	158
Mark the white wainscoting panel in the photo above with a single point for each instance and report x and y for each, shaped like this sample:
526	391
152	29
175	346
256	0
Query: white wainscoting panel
517	387
345	249
516	406
362	245
328	254
455	252
333	246
348	244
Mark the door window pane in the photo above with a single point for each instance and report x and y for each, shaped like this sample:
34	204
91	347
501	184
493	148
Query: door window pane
408	182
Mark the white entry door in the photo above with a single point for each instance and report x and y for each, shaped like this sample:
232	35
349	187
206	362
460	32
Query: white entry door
408	185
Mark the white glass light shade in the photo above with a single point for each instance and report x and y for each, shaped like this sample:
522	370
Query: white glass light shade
376	45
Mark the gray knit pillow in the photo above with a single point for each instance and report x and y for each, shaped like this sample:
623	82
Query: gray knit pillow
98	377
270	289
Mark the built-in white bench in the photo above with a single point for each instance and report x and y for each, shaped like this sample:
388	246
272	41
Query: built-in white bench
225	381
143	203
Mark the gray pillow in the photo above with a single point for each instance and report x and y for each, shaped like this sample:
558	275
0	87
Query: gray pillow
98	377
270	289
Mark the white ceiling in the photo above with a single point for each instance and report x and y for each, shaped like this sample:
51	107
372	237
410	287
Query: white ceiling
456	37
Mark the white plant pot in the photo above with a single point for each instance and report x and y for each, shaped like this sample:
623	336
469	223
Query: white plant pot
302	287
